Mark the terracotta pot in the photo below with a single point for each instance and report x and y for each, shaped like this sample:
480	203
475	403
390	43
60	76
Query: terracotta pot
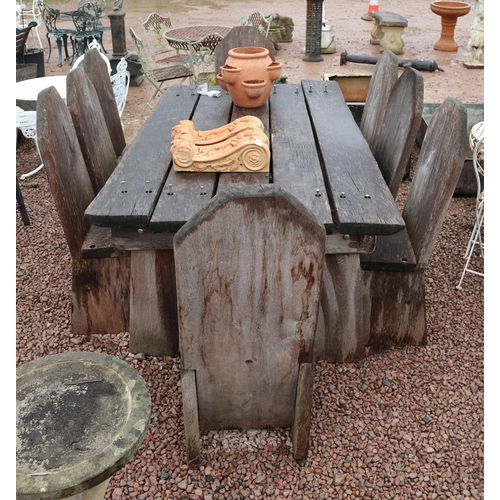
449	12
249	75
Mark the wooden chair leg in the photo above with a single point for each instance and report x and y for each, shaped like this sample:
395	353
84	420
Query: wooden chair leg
190	413
302	416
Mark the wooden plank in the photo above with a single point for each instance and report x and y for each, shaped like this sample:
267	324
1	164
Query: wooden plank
301	426
296	166
65	167
400	127
438	169
344	304
130	195
100	295
227	180
96	69
360	198
248	271
385	75
396	308
91	128
191	191
392	253
190	416
153	307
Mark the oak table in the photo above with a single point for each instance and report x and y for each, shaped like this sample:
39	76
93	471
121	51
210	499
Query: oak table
319	156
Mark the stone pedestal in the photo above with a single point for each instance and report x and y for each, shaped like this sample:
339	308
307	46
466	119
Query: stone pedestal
80	416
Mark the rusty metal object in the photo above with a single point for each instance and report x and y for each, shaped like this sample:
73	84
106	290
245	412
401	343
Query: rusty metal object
414	63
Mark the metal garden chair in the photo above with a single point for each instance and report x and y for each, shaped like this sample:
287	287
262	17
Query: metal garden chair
49	16
157	76
162	53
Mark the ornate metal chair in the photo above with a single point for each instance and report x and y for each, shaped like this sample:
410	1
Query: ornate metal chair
157	76
26	123
154	26
87	25
476	239
120	82
49	16
259	21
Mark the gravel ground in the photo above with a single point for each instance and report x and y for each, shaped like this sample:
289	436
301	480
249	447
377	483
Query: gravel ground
401	425
405	424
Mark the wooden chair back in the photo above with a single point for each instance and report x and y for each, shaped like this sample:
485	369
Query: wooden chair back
97	71
21	38
91	127
399	127
438	169
384	77
241	36
248	273
64	163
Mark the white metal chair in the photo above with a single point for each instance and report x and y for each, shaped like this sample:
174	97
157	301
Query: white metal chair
26	123
259	21
34	13
120	82
476	240
94	44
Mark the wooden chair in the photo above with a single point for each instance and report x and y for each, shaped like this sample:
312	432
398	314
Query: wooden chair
157	76
21	39
248	273
94	44
384	77
241	36
96	70
394	273
399	127
100	272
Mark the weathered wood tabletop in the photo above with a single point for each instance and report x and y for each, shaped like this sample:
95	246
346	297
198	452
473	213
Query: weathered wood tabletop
319	155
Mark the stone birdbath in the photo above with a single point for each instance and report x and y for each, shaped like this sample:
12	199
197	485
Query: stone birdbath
449	12
80	417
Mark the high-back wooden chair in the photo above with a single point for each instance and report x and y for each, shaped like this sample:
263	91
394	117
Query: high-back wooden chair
248	273
241	36
91	129
100	272
384	77
399	127
394	272
96	70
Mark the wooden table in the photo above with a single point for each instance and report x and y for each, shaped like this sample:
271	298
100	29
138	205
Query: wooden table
318	155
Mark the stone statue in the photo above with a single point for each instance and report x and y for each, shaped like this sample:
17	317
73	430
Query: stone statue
118	5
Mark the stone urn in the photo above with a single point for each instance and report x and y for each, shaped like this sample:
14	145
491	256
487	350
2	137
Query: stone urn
449	12
248	75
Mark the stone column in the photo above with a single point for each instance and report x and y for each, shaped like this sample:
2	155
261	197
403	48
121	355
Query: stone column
314	23
119	41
